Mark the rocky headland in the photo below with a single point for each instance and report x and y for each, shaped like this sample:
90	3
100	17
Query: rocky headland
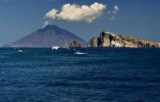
108	39
75	43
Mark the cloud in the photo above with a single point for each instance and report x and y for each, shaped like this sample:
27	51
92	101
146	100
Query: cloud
52	14
112	17
46	23
113	12
115	9
74	12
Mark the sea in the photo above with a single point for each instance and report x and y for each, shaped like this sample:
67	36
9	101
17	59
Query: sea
95	75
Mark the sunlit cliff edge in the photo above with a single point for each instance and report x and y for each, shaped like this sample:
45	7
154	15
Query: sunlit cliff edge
108	39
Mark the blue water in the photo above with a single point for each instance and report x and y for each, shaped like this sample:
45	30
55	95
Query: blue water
102	75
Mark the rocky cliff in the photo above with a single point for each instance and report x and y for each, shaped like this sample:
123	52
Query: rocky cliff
75	43
108	39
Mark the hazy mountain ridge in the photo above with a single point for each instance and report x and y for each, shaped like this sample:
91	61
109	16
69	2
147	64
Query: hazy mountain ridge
49	36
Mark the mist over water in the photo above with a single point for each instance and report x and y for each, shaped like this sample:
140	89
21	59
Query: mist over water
102	75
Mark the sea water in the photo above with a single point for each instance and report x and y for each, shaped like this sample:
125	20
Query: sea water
101	75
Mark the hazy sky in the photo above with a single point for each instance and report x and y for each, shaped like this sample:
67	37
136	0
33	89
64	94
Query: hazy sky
138	18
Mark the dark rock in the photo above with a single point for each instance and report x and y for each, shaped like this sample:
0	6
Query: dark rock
93	42
75	43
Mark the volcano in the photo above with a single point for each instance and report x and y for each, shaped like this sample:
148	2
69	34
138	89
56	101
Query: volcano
49	36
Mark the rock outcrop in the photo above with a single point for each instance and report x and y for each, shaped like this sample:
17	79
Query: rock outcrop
75	44
108	39
93	42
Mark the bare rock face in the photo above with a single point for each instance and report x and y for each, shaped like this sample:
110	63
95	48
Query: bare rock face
108	39
75	44
93	42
